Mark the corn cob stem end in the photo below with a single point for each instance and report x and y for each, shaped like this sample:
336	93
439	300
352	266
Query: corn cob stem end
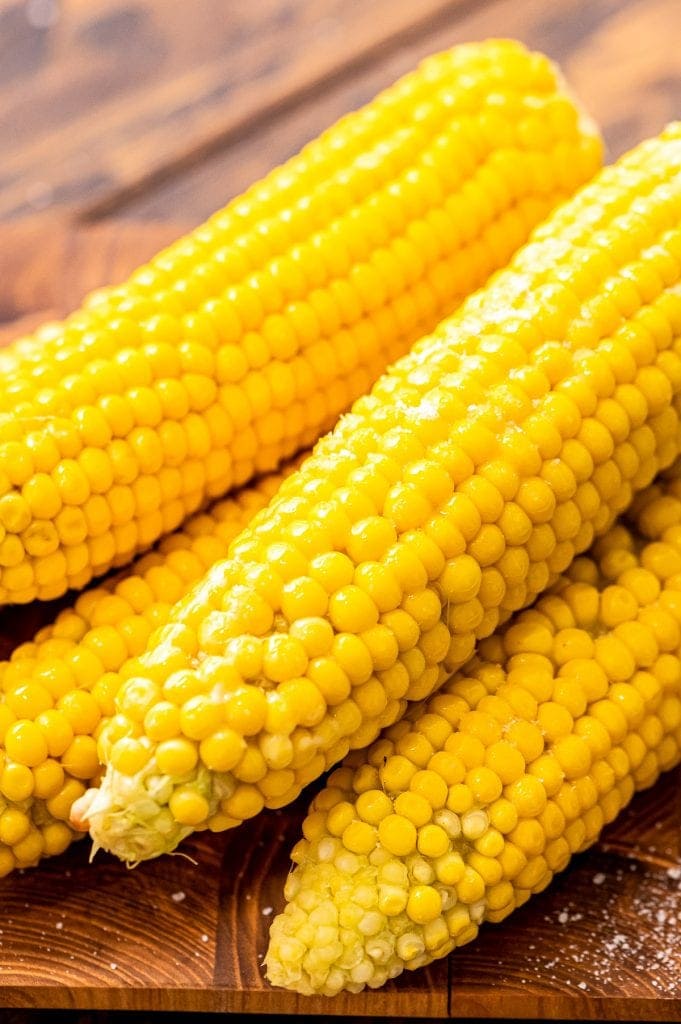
127	816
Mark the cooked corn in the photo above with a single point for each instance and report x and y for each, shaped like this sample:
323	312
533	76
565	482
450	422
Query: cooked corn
451	496
475	800
56	689
243	342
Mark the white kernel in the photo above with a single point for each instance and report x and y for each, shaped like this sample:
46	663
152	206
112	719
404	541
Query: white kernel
365	896
347	862
362	972
379	950
410	945
422	871
371	923
326	849
474	824
449	821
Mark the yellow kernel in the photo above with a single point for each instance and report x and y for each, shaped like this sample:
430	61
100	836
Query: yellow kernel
162	721
352	611
81	711
432	841
370	538
397	773
56	730
303	598
56	838
25	743
484	784
245	710
573	755
460	798
303	696
80	758
48	778
284	658
460	580
14	826
397	834
176	757
188	807
359	837
16	782
373	805
528	796
471	887
505	760
129	756
429	785
314	633
414	807
554	720
424	904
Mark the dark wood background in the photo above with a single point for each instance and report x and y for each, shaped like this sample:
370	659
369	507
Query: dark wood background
120	120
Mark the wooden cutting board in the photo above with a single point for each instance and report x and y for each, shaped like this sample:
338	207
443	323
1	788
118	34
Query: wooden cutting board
189	933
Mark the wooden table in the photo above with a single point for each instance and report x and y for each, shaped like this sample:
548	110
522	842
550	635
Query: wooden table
118	118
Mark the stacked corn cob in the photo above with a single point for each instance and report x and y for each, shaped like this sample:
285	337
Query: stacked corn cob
243	342
451	496
56	689
476	799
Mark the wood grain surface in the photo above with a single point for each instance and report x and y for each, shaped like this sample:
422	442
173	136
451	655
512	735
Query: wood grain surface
189	932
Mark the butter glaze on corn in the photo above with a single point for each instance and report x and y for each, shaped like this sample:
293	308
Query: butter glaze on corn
242	343
471	804
451	496
57	689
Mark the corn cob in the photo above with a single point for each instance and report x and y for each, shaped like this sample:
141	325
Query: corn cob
56	689
242	343
450	497
476	799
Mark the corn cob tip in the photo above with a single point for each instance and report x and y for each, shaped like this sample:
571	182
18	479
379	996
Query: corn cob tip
333	936
126	816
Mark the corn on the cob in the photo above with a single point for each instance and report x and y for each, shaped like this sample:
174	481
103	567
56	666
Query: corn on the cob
243	342
475	800
451	496
56	689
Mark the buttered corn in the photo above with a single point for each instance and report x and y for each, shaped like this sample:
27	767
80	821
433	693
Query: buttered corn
57	689
244	341
471	804
452	495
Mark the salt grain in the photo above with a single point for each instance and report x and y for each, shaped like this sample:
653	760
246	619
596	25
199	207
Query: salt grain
177	897
599	878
